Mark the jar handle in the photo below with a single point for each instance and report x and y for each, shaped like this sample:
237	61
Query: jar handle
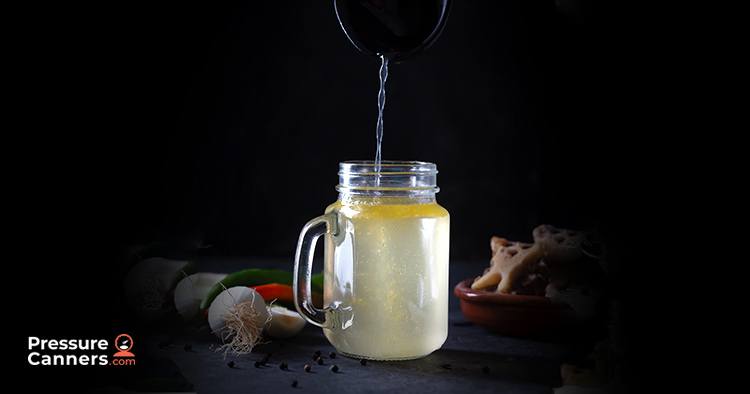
302	275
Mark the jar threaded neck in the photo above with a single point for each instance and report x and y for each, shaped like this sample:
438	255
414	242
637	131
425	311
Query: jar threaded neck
394	179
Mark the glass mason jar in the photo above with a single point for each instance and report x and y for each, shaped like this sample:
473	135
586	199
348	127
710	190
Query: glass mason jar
386	263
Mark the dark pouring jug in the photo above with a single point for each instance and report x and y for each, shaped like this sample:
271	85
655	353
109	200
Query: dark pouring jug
396	29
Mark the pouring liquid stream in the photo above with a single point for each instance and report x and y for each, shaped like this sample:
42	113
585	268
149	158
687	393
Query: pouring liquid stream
379	125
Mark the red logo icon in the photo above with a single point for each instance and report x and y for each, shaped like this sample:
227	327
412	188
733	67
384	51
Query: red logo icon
124	343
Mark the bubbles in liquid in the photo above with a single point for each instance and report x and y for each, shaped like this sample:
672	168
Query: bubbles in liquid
381	105
388	270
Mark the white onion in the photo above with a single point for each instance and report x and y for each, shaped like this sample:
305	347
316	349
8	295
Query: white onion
284	323
237	316
148	283
190	292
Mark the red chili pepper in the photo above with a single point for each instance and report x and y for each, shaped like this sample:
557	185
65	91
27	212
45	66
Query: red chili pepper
283	294
275	291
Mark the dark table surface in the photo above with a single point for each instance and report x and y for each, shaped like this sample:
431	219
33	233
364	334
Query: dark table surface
515	365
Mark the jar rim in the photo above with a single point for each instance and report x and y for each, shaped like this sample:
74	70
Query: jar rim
368	167
392	178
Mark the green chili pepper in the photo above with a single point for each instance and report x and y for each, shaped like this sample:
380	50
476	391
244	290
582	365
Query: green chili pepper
256	277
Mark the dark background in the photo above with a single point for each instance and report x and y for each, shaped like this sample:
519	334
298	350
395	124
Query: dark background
224	124
216	128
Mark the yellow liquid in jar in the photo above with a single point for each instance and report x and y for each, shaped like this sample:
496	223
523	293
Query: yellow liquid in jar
386	274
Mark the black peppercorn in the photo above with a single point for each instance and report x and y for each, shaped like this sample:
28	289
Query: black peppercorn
334	368
294	383
308	368
258	364
188	347
320	361
283	366
363	361
445	366
332	355
230	364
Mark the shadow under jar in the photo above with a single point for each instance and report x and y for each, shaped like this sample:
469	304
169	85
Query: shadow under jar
386	263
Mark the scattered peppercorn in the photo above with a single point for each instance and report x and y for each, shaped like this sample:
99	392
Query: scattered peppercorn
266	358
308	368
320	361
363	361
334	368
315	357
258	364
188	347
332	355
283	366
486	369
294	383
445	366
317	353
230	364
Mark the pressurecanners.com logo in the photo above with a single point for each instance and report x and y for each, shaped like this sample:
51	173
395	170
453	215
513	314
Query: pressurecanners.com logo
80	352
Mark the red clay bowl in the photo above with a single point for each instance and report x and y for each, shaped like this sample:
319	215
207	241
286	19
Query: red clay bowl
516	315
